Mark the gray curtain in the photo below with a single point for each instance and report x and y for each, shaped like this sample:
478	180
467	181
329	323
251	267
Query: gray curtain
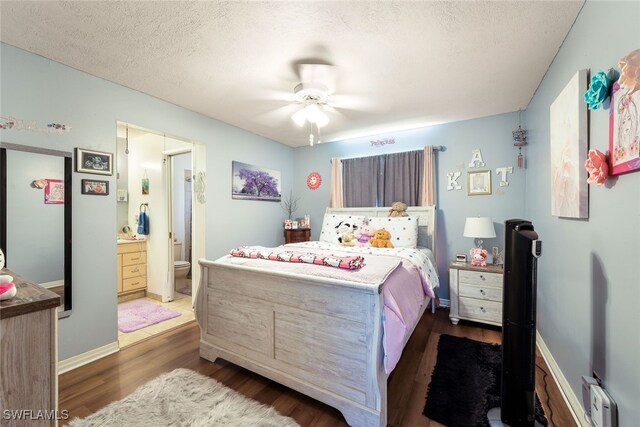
402	178
360	180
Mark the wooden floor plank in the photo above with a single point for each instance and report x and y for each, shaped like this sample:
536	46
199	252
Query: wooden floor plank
87	389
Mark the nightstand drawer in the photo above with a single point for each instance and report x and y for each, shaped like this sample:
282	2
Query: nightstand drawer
481	278
487	311
488	293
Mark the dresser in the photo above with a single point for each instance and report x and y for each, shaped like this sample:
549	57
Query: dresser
132	267
476	293
28	345
297	235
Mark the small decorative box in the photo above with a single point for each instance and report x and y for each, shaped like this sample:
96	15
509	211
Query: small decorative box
287	224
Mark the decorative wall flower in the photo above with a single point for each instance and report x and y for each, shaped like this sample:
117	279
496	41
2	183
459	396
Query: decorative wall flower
597	167
630	75
598	91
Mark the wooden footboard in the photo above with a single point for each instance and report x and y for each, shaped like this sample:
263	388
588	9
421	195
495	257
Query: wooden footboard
320	337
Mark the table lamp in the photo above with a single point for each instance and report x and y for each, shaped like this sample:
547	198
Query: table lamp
479	228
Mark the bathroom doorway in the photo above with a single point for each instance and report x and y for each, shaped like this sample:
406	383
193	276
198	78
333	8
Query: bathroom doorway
148	303
180	177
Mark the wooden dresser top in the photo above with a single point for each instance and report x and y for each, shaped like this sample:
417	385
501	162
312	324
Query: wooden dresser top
29	298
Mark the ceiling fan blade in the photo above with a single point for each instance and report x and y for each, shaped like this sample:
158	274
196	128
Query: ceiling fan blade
355	103
318	73
278	116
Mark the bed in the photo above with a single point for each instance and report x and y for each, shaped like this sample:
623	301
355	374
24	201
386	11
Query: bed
321	336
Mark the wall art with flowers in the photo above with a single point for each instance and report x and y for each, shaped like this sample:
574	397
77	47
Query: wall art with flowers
624	117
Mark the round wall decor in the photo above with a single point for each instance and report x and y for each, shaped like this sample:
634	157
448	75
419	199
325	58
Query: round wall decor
314	180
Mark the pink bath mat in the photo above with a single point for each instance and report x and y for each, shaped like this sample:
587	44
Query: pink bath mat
141	313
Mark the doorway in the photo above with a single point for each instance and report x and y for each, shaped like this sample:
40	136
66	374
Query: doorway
146	262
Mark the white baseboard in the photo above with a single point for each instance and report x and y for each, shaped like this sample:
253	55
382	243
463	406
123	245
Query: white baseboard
53	284
575	404
88	357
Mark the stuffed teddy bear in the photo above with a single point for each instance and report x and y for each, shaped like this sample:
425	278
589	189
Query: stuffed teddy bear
478	257
365	234
398	209
7	288
348	239
381	239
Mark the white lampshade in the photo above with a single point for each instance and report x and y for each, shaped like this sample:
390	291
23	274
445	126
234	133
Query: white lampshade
479	227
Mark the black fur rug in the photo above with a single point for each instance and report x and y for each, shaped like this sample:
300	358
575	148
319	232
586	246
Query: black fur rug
465	383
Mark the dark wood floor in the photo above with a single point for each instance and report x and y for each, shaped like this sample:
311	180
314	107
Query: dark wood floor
87	389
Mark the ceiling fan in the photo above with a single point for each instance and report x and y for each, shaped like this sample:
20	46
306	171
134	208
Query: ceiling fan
317	82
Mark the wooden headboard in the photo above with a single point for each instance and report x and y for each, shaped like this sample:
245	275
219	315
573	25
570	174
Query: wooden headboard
426	221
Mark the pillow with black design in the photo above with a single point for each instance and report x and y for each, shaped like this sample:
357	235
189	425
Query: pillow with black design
403	229
330	222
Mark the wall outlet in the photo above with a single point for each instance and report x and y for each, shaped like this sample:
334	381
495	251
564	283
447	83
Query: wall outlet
603	408
587	382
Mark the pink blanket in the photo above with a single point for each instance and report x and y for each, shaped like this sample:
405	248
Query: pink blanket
348	262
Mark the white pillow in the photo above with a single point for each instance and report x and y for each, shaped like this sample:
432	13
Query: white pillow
330	223
403	229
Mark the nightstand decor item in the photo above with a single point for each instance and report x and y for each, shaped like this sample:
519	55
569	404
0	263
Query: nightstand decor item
479	228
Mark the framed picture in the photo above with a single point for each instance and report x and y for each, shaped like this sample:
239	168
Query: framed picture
255	183
95	187
97	162
145	186
54	192
479	183
624	131
568	150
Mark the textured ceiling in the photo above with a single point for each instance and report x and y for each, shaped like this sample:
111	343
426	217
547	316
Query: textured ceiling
399	64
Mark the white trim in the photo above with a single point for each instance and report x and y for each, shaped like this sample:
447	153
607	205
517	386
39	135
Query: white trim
52	284
88	357
574	404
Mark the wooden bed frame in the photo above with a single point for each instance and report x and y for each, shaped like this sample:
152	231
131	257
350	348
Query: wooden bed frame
320	337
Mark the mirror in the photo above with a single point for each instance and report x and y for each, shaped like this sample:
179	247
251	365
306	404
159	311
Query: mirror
35	211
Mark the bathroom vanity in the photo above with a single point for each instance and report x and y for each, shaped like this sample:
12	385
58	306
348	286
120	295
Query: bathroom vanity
132	268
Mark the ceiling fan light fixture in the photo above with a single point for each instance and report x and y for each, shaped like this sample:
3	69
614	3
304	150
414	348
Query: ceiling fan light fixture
314	114
299	117
311	113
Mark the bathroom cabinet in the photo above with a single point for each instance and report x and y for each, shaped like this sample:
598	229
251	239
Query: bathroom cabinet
132	267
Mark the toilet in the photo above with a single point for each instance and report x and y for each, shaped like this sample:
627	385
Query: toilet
180	267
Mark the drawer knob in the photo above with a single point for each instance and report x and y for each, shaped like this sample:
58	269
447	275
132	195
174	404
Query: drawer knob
482	292
482	277
482	309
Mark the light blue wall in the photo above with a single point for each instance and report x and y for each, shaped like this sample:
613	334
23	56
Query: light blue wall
588	286
35	88
492	135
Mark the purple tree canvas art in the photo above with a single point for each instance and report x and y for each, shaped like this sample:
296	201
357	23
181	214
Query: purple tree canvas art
255	183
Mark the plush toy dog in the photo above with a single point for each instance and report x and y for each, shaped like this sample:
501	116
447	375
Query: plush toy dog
398	209
343	228
381	239
348	239
478	257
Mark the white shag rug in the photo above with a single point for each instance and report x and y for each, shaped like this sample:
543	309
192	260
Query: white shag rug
185	398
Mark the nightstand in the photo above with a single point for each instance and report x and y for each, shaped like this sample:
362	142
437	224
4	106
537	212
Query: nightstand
297	235
476	293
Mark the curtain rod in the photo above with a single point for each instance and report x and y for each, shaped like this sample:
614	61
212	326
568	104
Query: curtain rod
435	148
